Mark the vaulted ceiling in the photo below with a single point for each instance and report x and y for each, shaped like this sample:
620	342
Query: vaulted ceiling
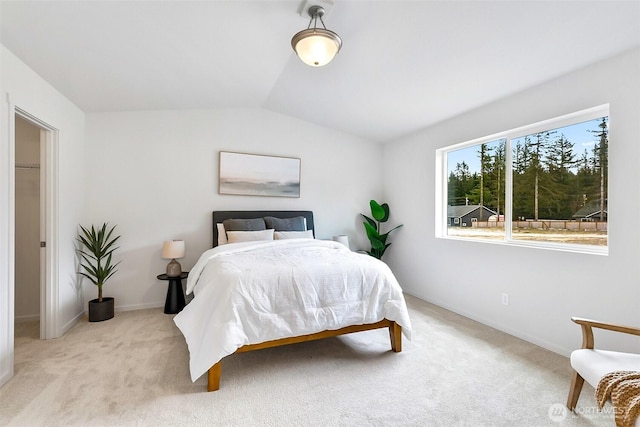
404	65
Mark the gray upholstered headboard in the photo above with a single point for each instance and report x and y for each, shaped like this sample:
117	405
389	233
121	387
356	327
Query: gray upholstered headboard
219	216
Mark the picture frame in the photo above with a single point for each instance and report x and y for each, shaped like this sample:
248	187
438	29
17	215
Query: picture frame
258	175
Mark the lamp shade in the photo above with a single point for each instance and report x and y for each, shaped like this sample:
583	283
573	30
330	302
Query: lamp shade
172	249
316	46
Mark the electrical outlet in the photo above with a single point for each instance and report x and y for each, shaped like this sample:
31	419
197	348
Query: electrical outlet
505	299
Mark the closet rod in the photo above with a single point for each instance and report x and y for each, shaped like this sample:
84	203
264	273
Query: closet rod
27	166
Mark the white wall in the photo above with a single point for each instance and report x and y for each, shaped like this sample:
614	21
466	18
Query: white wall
155	175
23	88
546	287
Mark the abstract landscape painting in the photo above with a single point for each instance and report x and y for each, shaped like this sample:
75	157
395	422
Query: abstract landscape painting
258	175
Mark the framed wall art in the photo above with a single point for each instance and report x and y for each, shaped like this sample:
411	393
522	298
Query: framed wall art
258	175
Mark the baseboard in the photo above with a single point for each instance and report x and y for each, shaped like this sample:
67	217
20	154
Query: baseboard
145	306
29	318
133	307
5	377
71	323
507	330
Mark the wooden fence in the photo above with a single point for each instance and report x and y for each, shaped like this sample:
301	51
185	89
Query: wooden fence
546	224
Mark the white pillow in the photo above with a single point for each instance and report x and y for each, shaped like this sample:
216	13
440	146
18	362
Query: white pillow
249	236
282	235
222	236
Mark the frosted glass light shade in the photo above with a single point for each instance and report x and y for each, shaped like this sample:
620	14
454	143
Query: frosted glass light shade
316	47
172	249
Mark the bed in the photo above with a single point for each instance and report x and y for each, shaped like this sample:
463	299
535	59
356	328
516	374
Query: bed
273	284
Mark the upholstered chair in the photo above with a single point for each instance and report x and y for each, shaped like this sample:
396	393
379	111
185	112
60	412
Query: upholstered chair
592	364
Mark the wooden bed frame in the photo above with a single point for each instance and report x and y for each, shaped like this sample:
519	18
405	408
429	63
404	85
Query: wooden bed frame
215	372
395	333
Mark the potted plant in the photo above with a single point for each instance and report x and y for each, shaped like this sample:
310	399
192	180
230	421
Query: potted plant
380	214
97	247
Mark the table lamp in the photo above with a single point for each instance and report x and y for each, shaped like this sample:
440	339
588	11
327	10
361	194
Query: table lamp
172	249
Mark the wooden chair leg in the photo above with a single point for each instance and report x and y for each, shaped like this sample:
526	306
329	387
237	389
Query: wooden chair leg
213	377
574	392
395	333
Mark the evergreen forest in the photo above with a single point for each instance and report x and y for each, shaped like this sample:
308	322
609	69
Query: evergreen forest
550	179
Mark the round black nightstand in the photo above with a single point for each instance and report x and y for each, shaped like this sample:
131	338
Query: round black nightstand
175	295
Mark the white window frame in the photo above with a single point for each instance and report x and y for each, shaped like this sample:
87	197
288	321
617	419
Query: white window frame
442	180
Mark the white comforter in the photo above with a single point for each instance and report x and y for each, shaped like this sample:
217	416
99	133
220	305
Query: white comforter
252	292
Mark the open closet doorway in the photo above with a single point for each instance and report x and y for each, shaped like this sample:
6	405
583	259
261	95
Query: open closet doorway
32	289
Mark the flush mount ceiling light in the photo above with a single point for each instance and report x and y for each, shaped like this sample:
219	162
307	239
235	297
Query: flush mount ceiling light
316	46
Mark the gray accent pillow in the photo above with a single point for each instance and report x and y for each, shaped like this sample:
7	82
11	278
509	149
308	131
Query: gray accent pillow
234	224
286	224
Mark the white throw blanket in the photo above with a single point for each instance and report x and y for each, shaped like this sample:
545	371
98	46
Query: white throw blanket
252	292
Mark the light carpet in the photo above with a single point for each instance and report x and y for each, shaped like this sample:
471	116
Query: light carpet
132	370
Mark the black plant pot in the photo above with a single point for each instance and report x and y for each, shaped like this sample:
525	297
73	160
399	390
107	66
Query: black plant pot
99	311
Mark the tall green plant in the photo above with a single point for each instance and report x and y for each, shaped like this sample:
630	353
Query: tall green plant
380	214
96	252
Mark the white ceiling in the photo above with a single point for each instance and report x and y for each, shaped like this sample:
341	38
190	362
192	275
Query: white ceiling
404	65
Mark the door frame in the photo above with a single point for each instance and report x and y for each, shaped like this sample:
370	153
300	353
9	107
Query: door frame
49	310
48	221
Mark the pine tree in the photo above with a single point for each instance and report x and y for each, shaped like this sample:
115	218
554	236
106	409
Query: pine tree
601	155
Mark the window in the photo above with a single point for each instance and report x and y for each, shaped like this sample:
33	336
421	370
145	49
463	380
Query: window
540	185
